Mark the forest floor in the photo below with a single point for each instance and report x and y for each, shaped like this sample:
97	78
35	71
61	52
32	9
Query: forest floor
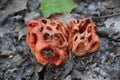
18	63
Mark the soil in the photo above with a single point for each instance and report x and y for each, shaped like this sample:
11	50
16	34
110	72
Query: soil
18	63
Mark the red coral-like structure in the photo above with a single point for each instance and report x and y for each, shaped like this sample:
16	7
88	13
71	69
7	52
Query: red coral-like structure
47	39
50	39
83	38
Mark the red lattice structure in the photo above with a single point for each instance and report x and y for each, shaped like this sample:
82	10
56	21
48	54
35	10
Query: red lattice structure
51	39
83	38
47	39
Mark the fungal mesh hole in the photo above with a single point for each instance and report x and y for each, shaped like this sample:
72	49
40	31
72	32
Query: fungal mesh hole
33	39
94	44
80	47
44	21
33	24
41	29
56	35
89	29
52	23
49	28
89	38
76	38
61	43
59	27
75	32
95	27
78	21
83	26
82	30
47	36
50	55
60	38
82	37
83	23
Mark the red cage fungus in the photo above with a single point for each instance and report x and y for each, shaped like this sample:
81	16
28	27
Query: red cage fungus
47	39
50	39
83	38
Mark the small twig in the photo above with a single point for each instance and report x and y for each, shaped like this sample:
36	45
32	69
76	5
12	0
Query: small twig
7	53
111	15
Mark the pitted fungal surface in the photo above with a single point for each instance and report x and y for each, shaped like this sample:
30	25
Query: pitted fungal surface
51	39
83	38
47	39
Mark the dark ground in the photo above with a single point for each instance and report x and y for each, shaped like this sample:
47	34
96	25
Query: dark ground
18	63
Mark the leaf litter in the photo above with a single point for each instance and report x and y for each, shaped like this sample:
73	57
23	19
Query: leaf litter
18	62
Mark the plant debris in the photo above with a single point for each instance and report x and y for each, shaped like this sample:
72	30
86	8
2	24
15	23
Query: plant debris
103	64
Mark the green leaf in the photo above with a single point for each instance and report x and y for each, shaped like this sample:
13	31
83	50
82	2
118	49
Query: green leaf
49	7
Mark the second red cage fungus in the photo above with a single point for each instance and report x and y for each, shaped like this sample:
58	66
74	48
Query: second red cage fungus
83	38
47	39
